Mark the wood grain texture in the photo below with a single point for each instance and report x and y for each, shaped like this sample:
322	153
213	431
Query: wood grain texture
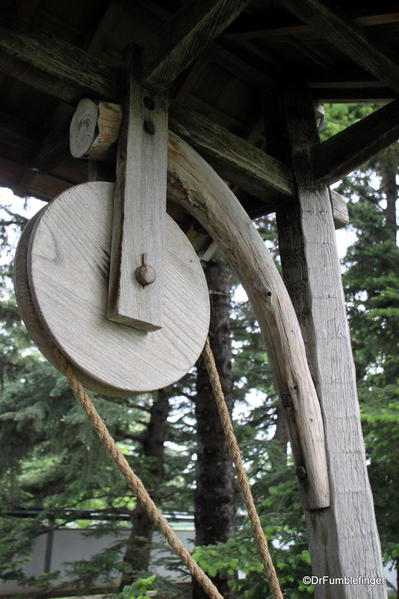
51	57
343	539
138	216
349	38
184	37
196	186
349	149
68	266
94	129
28	313
339	207
235	159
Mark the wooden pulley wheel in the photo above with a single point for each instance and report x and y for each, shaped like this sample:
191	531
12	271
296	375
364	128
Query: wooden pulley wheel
62	269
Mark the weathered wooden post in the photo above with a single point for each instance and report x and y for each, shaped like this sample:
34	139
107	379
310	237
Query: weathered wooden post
344	540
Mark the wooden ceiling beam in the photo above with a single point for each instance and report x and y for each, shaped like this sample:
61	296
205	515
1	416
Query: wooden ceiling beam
348	37
55	67
183	37
301	29
74	73
347	150
251	171
234	158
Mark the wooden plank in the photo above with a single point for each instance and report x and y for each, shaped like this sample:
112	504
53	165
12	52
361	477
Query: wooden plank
348	37
183	37
343	539
136	269
299	29
347	150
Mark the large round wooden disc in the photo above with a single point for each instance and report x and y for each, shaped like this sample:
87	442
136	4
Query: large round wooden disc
67	265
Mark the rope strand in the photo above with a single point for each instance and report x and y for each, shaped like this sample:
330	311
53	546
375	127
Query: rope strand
245	488
134	481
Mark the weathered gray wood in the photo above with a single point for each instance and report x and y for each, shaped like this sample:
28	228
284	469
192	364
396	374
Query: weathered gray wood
235	159
348	37
58	68
343	539
339	209
94	129
68	262
184	37
196	186
347	150
138	218
29	314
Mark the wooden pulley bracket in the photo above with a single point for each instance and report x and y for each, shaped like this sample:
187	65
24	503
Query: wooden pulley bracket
62	271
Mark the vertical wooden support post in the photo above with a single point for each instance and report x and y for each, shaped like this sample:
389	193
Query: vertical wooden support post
344	539
136	268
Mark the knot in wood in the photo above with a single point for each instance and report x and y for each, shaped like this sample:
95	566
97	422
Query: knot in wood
301	473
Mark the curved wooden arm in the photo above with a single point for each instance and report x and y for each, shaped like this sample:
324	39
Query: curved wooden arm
196	186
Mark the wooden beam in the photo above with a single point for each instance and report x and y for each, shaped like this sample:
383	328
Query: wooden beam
136	274
196	186
298	29
56	67
348	37
347	150
344	538
28	182
183	37
235	159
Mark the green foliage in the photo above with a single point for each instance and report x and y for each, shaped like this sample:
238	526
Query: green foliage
341	116
137	590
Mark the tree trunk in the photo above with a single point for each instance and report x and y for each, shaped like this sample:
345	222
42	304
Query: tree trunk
137	555
214	495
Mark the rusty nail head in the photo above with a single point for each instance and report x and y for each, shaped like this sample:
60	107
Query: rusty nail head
145	274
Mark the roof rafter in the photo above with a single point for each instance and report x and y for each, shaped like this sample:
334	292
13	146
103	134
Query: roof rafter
348	37
67	72
71	73
183	37
369	20
350	148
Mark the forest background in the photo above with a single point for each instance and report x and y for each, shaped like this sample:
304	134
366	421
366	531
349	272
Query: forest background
52	464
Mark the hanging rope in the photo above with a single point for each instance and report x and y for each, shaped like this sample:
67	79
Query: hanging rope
245	489
144	498
134	481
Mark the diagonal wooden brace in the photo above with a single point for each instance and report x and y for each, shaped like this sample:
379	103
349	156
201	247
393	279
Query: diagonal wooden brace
136	264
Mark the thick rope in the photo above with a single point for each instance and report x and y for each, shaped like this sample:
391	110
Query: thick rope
134	481
245	489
